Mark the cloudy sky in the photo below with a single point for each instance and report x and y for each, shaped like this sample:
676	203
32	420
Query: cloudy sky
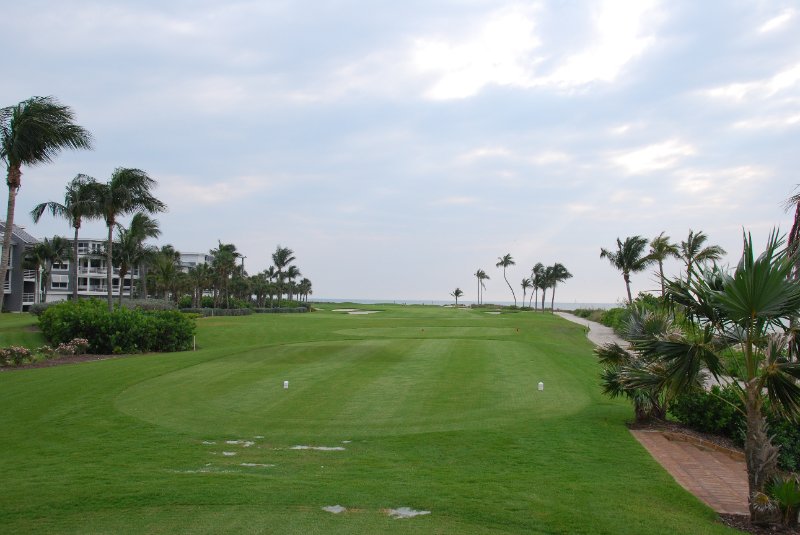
397	147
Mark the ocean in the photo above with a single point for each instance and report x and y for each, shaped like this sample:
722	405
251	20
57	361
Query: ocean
434	302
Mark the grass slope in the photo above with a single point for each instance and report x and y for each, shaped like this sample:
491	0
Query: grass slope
436	409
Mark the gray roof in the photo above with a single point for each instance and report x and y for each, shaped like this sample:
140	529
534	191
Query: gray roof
19	233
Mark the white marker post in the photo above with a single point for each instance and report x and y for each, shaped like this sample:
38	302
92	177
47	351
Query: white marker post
541	385
286	385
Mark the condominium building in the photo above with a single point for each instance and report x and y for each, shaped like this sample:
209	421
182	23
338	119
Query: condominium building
20	284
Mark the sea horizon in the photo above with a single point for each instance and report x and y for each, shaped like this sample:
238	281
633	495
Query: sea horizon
438	302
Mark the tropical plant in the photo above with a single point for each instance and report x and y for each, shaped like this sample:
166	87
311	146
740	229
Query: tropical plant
201	278
223	265
127	191
292	272
558	273
661	249
693	253
506	261
457	293
537	278
785	491
43	255
166	273
628	258
33	132
481	276
305	289
282	258
748	311
78	205
526	283
129	250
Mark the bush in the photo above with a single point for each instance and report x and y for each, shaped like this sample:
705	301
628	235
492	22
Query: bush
282	310
614	318
122	331
206	302
37	308
185	302
149	304
219	311
14	356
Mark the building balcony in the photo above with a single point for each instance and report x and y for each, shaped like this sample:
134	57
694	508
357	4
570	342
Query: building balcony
29	275
28	298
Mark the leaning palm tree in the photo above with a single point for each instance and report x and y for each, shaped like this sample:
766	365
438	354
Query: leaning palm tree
31	133
78	205
748	313
537	277
545	282
506	261
457	293
693	253
628	258
558	273
481	276
127	191
660	249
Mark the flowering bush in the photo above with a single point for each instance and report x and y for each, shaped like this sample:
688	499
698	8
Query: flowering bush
14	355
76	346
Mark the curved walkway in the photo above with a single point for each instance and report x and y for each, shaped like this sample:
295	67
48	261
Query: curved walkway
717	477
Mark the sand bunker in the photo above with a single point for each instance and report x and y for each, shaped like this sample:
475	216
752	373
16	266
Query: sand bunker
209	442
335	509
359	312
344	310
405	512
318	448
251	465
228	453
495	313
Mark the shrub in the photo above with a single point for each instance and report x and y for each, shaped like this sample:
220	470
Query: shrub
282	310
219	311
122	331
14	356
206	302
614	318
37	308
185	301
149	304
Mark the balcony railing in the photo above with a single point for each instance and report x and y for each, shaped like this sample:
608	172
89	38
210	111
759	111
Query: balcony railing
28	298
29	275
7	287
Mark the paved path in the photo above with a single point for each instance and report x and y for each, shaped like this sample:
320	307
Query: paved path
717	478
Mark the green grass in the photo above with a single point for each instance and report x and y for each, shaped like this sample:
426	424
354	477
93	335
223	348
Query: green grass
437	409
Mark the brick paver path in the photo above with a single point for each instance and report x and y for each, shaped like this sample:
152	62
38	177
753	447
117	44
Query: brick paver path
716	478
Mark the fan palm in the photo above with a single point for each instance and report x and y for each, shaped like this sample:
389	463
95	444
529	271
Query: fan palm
693	253
78	205
127	191
506	261
749	311
457	293
33	132
558	273
628	258
661	249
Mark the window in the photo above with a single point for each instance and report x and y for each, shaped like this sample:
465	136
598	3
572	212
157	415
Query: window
59	282
61	266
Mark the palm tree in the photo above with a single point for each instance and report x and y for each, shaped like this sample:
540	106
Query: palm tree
481	276
660	250
166	273
628	258
545	282
292	272
305	288
282	258
224	265
33	132
747	312
558	273
793	242
457	293
43	255
506	261
537	278
526	283
130	250
127	191
78	205
201	278
693	253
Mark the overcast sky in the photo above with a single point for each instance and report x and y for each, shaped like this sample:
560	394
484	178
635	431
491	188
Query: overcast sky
397	147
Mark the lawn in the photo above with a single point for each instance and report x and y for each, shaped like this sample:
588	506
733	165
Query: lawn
431	408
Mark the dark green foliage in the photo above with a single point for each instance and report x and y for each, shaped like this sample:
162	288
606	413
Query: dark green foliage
37	308
219	311
148	304
283	310
122	331
615	318
207	301
714	412
185	301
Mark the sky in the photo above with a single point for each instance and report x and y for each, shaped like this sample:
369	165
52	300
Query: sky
397	147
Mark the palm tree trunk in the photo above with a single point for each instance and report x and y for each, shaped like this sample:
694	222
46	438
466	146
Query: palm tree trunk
109	247
75	264
760	454
509	287
122	273
661	274
544	296
628	286
14	179
536	299
552	298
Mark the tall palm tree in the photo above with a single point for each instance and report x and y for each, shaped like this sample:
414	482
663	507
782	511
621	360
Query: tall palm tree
224	265
526	283
127	191
305	288
457	293
292	272
660	249
537	277
282	258
481	276
201	278
43	255
545	282
793	241
747	312
166	273
558	273
693	253
78	205
33	132
628	258
506	261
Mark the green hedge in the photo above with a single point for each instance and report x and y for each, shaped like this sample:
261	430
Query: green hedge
712	412
121	331
219	311
282	310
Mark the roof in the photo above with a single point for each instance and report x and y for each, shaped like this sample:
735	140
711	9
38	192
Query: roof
19	233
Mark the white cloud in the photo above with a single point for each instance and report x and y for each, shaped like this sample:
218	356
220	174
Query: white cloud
499	53
764	88
550	157
485	152
182	191
777	22
653	157
777	121
624	31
